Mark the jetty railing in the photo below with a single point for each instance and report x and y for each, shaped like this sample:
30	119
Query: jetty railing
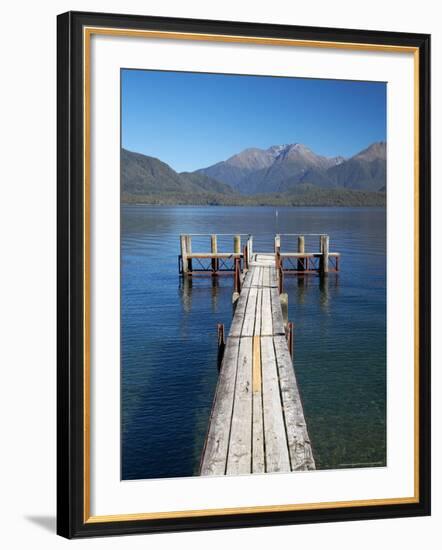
303	262
214	262
292	258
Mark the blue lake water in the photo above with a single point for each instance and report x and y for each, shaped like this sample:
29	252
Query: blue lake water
169	343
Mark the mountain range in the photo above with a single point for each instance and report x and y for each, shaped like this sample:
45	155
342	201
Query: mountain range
260	176
281	168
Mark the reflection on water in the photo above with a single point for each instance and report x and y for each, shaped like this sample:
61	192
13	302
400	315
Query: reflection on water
169	334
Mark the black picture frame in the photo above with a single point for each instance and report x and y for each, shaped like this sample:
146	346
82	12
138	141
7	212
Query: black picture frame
71	520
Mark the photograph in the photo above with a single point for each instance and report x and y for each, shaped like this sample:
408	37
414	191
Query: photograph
253	261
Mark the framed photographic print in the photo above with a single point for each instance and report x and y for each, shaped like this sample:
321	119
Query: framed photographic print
243	274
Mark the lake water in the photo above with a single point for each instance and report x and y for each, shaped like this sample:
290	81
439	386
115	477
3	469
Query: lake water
169	342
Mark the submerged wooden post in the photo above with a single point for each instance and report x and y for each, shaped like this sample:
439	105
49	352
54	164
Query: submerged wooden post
237	244
183	244
214	250
301	250
188	252
324	247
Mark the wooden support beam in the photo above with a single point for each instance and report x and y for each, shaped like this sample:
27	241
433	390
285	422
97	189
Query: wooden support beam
189	252
277	243
301	250
250	247
324	247
183	245
284	301
237	276
214	250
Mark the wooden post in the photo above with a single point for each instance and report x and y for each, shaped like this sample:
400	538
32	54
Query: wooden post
183	243
250	247
245	256
301	250
237	274
290	337
221	344
277	243
284	301
237	244
280	271
214	250
188	252
324	246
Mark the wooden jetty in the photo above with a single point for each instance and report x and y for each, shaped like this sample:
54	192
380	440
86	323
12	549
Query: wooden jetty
257	422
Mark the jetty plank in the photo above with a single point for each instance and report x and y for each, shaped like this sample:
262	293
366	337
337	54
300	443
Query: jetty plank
239	457
278	322
258	460
250	313
256	273
214	457
258	317
266	276
266	315
276	446
238	318
300	448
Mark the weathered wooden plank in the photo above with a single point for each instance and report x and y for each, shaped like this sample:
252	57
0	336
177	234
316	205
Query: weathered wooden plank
239	459
258	461
258	316
276	445
278	322
238	318
214	457
247	279
266	313
273	280
256	275
250	312
301	455
256	371
223	255
266	277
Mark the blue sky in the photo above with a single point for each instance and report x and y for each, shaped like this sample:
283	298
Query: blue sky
193	120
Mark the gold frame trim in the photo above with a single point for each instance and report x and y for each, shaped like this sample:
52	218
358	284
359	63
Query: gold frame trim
87	33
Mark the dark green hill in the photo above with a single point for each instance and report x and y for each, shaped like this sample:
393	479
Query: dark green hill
144	175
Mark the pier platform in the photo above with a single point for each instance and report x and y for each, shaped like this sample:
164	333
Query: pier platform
257	422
